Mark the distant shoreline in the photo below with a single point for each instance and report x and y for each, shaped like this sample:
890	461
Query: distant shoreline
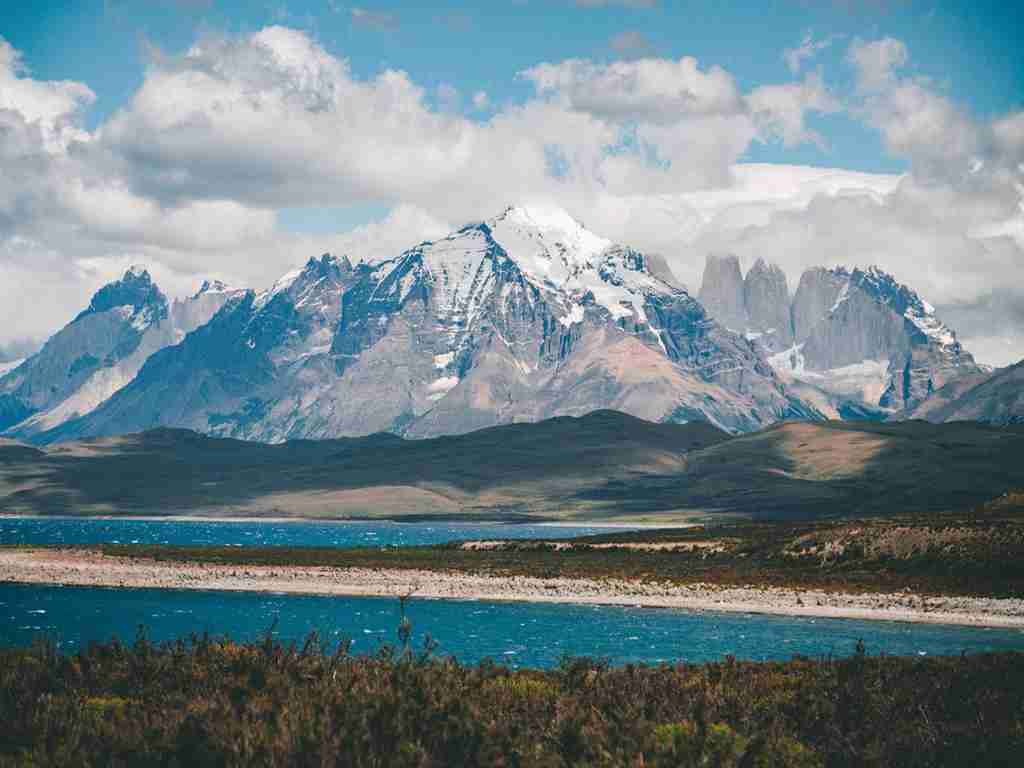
89	568
546	522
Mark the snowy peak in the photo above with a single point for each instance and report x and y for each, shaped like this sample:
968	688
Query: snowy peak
533	235
137	291
551	250
905	302
211	287
300	286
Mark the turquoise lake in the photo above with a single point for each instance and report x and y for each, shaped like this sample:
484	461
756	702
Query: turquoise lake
244	533
518	634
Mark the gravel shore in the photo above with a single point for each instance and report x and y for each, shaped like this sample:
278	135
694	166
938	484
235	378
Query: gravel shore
93	569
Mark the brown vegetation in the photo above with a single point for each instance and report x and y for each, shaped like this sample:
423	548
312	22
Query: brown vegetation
207	702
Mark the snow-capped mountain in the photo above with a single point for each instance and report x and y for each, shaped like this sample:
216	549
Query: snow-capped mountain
99	352
521	317
859	337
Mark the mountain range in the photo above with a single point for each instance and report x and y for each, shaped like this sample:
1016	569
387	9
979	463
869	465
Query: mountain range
520	318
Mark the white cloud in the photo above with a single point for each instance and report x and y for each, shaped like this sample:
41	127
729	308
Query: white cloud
53	107
807	50
915	121
781	109
651	90
876	61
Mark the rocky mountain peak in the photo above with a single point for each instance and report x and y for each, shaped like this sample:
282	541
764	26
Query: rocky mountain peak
762	267
820	291
328	265
766	301
721	291
211	286
135	289
310	283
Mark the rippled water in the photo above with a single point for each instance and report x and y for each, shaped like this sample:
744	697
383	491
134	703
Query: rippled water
516	633
519	634
68	531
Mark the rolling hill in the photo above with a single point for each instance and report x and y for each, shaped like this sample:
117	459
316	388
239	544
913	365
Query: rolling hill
603	465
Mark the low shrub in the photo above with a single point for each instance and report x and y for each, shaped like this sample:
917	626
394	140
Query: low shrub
211	702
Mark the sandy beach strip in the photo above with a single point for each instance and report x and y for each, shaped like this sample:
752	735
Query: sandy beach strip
88	568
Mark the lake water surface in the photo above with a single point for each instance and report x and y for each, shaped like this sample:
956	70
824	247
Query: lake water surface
246	533
520	634
517	633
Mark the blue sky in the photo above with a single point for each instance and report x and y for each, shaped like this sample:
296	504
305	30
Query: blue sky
296	127
971	50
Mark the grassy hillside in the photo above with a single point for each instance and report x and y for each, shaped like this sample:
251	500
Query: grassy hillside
501	471
831	469
606	464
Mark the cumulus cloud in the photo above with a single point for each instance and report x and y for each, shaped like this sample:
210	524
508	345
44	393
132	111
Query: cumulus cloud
649	90
50	107
692	123
915	121
781	109
876	61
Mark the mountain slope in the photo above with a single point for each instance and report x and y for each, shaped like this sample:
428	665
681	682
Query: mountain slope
996	398
521	318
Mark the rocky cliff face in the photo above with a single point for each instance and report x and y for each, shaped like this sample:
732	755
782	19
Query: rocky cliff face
721	291
816	295
865	344
866	326
99	352
522	317
766	301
